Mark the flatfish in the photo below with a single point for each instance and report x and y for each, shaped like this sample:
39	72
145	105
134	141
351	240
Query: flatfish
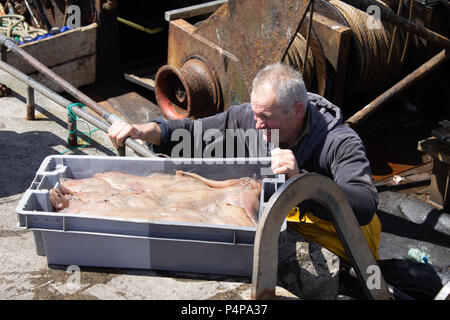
183	196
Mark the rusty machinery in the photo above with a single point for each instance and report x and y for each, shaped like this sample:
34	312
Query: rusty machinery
211	64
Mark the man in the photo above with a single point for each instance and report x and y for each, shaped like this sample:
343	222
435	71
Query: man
312	137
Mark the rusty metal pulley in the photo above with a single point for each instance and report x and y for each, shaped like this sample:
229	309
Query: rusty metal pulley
189	92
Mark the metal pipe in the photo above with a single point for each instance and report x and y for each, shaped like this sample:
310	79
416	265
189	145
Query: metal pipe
32	14
77	94
139	27
72	137
403	23
398	88
131	143
30	103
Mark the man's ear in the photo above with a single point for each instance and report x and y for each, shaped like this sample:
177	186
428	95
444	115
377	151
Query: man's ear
299	109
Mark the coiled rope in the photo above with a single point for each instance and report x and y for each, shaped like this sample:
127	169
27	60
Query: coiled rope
370	69
15	26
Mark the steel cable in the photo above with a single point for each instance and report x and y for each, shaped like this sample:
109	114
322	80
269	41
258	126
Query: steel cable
296	58
370	69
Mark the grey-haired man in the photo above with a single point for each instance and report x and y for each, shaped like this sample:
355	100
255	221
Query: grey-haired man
311	136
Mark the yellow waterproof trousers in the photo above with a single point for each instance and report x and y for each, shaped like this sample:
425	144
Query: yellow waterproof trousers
324	233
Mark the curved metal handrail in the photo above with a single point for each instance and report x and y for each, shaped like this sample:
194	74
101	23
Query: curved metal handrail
324	190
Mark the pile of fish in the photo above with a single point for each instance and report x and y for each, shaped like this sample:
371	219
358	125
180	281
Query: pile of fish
181	197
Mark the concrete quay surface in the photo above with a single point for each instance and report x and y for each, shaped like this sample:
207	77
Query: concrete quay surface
26	275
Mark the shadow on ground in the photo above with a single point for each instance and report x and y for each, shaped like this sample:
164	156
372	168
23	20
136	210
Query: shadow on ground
21	155
401	227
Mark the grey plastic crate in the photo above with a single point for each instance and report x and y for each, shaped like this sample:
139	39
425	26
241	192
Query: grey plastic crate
77	239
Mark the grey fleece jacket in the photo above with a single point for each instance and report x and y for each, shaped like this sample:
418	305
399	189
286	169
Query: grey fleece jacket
329	148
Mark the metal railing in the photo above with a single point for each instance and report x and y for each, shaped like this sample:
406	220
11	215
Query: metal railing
84	99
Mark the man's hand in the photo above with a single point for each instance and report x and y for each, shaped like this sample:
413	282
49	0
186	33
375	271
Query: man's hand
149	132
120	130
283	161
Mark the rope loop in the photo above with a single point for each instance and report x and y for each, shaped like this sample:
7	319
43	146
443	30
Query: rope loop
75	119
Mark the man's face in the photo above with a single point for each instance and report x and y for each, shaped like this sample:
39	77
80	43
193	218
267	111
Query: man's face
268	115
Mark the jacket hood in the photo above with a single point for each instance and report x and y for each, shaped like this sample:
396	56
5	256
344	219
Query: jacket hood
323	117
332	115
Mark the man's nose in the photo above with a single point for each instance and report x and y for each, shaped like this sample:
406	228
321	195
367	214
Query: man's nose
260	124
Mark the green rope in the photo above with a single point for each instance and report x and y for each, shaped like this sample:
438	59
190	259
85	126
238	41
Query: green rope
74	118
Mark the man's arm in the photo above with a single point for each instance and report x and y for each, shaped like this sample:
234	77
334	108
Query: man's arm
158	133
358	188
239	116
350	168
345	161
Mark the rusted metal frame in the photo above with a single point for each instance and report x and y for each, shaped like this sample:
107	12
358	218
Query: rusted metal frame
322	189
298	28
102	125
193	11
186	44
403	23
236	62
398	88
308	34
77	94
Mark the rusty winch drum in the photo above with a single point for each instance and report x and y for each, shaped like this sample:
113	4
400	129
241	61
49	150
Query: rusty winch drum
190	92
